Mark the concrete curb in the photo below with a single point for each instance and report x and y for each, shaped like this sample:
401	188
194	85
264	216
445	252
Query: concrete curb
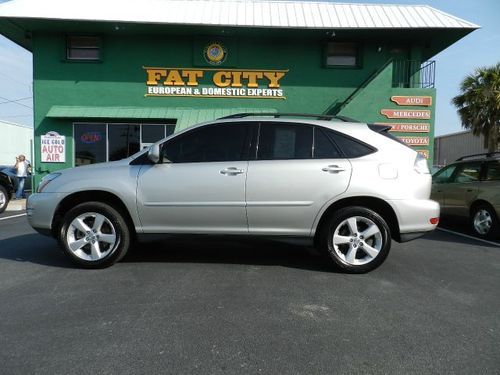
16	205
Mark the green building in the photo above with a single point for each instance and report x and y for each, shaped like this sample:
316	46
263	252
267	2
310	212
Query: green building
111	77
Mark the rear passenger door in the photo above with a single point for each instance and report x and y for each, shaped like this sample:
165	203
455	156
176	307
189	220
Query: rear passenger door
297	169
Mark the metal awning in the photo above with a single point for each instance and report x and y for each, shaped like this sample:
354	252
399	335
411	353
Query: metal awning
185	116
257	13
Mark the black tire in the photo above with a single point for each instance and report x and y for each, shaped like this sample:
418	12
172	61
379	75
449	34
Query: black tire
113	225
5	198
487	213
362	249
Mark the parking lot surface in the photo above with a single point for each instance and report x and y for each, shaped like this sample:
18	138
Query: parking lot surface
206	306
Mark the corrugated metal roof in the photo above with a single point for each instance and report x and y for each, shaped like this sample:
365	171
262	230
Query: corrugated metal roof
185	116
255	13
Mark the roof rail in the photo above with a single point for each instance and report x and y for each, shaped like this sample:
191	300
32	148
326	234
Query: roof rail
278	115
487	154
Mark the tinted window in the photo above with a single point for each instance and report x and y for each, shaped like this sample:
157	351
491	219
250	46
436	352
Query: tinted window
152	133
124	140
90	143
83	48
444	175
493	173
323	146
467	172
285	141
226	142
350	147
342	54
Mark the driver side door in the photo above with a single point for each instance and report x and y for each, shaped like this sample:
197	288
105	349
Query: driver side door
200	185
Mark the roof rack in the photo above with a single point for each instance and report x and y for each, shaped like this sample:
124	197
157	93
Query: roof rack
486	154
278	115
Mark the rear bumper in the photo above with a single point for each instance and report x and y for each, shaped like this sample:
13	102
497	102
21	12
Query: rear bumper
405	237
414	217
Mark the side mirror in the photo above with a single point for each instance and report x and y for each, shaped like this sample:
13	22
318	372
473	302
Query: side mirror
154	153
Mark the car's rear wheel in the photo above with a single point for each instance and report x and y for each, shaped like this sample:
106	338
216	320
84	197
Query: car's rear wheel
356	239
94	235
484	221
4	199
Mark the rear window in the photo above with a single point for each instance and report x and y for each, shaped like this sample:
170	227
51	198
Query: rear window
350	147
385	131
324	148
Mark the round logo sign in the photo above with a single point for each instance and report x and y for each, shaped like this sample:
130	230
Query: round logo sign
215	53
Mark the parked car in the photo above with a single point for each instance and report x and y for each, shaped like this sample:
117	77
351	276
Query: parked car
11	172
6	191
349	187
470	190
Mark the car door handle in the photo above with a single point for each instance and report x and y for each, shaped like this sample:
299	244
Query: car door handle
231	171
333	169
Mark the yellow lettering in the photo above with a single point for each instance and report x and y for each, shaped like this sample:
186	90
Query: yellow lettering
192	76
274	78
252	78
154	75
236	79
174	79
222	79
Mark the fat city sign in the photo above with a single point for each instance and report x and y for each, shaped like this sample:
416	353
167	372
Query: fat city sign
215	83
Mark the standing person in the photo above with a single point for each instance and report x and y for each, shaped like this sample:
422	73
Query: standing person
21	167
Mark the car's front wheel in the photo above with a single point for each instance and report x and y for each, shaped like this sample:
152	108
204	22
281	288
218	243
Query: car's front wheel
356	239
4	199
94	235
484	221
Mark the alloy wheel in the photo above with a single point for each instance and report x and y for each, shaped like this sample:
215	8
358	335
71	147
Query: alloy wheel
357	240
91	236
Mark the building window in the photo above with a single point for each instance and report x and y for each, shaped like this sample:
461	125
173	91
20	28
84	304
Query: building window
83	48
90	143
342	54
101	142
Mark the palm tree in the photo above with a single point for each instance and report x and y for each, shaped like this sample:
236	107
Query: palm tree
479	104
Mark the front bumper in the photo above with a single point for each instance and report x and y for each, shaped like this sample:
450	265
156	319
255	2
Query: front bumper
40	209
414	217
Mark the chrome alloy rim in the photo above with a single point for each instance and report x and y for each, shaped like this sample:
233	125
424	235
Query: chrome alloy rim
91	236
357	241
482	221
3	199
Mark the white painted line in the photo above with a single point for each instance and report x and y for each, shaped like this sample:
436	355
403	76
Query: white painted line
471	237
12	217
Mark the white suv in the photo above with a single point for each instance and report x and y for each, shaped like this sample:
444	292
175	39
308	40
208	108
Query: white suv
350	187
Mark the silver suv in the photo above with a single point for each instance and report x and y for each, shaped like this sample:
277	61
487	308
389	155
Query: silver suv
350	187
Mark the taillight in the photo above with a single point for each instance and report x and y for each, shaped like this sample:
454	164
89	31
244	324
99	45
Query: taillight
421	165
434	220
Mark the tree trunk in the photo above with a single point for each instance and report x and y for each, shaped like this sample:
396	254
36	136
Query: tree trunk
493	136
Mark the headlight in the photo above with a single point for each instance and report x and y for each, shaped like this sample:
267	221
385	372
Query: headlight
45	181
421	165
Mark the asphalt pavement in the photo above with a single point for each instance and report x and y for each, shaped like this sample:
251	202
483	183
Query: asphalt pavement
205	306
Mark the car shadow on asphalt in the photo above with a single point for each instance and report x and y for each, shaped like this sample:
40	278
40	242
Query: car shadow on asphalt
448	238
210	250
33	248
38	249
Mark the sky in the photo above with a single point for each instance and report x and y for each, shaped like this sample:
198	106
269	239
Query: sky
478	49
